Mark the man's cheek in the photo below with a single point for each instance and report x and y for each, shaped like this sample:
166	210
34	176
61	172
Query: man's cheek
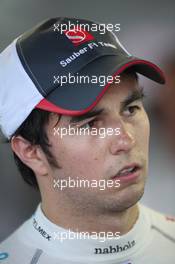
144	127
88	168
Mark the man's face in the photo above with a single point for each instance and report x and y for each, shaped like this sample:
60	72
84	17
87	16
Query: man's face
90	157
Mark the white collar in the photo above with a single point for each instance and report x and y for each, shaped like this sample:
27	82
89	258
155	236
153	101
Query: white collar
45	234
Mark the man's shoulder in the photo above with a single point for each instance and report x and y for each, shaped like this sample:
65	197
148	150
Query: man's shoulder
14	248
161	223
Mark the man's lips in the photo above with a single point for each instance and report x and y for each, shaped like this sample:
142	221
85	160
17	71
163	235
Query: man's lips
128	170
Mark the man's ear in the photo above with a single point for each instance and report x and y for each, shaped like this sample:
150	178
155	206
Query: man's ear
31	155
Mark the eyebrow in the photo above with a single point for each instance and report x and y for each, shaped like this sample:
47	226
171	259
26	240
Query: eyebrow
95	112
134	96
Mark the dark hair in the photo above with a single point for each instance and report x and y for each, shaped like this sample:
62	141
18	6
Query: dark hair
33	129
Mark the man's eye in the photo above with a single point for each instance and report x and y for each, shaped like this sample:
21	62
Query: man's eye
89	124
131	110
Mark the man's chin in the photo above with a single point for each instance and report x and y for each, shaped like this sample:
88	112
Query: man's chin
124	199
131	200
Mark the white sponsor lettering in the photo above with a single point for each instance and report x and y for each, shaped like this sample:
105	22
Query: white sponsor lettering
82	51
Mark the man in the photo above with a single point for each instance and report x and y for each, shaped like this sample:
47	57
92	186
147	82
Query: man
84	145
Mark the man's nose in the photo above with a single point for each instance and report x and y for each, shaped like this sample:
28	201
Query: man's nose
123	142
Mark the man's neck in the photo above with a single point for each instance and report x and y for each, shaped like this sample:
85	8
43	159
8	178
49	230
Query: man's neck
76	221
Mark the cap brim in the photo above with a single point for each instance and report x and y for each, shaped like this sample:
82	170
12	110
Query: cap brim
79	98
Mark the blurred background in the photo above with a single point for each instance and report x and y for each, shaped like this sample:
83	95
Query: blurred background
147	30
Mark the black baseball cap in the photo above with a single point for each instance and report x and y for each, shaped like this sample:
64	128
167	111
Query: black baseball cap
35	60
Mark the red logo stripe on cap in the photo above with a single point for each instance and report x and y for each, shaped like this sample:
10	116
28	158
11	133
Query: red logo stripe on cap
78	36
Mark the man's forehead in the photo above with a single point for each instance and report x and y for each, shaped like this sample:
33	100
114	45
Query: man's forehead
104	108
99	109
127	81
